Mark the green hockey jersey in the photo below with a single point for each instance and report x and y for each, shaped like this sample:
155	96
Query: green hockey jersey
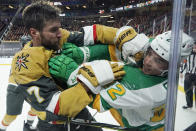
140	99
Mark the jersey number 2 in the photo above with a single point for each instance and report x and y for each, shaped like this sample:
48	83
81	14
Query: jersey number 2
113	92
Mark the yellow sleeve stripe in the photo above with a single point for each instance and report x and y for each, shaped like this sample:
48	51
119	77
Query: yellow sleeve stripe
112	51
116	116
96	103
159	129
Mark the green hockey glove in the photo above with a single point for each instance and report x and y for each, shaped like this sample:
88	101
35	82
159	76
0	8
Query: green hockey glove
78	54
63	68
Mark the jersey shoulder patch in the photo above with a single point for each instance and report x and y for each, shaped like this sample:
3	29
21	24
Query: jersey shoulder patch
30	64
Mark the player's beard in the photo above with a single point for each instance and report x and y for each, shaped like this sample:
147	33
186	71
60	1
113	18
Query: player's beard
48	44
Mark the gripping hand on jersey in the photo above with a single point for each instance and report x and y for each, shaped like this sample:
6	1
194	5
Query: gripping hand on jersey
99	73
78	54
63	68
131	44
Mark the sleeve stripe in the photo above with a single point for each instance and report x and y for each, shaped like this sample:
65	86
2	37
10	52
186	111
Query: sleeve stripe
94	33
96	103
53	103
56	111
117	116
112	51
88	35
12	84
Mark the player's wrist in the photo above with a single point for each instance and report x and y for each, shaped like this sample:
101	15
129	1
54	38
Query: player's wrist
85	87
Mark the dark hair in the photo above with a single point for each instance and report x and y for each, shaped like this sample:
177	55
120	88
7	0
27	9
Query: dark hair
36	14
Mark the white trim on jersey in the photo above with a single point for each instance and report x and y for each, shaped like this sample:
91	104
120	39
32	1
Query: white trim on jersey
88	35
12	84
51	106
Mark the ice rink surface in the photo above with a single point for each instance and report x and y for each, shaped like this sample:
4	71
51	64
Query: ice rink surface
184	118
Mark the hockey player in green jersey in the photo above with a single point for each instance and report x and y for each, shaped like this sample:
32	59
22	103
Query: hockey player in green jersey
138	100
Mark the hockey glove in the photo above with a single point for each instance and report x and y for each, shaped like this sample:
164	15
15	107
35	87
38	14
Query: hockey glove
63	68
131	44
99	73
78	54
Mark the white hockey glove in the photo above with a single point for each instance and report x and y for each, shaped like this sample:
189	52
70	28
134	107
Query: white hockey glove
99	73
131	44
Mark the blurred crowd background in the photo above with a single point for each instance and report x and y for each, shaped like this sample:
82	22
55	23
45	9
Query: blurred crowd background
151	17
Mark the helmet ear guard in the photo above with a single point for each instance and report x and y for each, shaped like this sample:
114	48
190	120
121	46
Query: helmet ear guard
164	73
136	60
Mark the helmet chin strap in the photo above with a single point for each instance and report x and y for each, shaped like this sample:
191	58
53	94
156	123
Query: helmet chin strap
131	61
163	73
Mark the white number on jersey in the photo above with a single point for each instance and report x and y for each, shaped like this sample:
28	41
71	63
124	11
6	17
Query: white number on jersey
35	89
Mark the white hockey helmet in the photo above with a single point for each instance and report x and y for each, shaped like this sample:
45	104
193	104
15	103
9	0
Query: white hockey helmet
161	45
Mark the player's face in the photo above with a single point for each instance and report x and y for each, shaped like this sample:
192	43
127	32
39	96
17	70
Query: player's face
50	35
153	64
